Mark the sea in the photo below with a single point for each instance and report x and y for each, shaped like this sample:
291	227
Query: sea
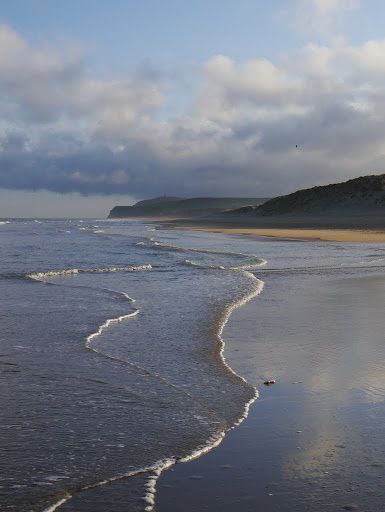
128	348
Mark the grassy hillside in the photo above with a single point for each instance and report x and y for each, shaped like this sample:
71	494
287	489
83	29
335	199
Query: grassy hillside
359	196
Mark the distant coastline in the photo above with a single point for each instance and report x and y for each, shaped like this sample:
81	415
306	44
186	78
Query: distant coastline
352	211
181	207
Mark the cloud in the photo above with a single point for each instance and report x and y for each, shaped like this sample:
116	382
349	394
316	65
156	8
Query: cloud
256	83
319	17
41	84
64	130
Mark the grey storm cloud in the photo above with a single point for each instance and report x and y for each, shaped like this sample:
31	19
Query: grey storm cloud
65	130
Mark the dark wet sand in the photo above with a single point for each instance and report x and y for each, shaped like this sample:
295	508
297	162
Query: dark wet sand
314	441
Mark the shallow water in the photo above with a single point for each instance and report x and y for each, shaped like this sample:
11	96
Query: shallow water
93	409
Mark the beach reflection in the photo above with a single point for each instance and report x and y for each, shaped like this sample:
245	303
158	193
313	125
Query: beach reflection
336	359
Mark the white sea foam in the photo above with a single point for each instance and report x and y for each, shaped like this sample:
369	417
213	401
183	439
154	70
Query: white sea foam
129	268
191	263
56	505
154	470
42	276
4	222
106	324
257	262
227	313
89	339
148	498
160	245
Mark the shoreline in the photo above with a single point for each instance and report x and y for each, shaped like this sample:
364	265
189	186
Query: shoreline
370	229
294	450
358	235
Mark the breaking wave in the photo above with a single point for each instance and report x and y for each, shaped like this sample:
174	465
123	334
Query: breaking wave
42	276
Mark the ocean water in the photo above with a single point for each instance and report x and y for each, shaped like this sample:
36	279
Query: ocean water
113	357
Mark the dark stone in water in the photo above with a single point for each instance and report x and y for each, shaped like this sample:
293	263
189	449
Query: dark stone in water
269	382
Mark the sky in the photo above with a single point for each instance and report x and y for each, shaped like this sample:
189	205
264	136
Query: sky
105	103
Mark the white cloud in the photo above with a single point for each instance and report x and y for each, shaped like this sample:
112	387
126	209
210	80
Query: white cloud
320	17
65	130
40	84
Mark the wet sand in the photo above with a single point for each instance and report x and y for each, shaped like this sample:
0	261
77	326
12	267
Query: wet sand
332	235
314	441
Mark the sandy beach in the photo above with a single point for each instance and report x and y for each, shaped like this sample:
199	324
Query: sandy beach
332	235
335	229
